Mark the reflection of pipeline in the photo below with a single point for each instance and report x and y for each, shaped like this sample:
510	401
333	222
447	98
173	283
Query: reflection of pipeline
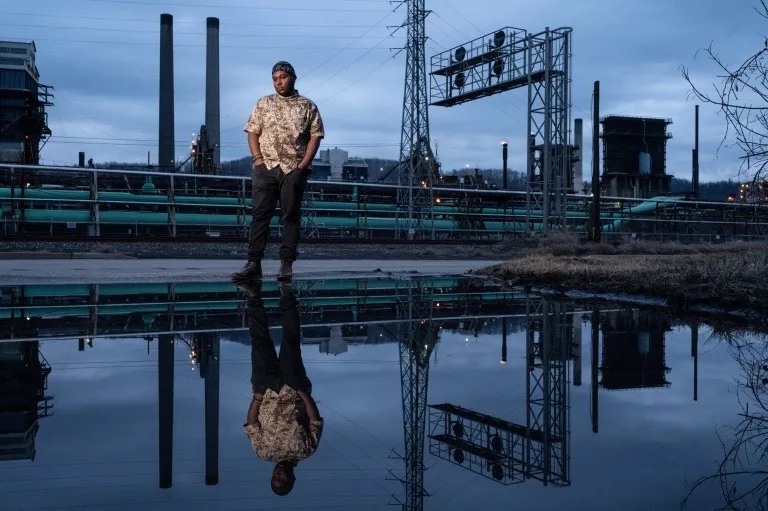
616	220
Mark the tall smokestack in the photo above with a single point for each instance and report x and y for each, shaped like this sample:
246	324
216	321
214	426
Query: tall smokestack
578	173
504	158
695	177
212	96
166	132
594	235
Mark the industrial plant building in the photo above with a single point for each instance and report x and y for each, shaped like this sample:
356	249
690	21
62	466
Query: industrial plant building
634	156
335	164
23	119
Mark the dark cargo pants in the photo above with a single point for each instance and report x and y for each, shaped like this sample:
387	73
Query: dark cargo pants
269	186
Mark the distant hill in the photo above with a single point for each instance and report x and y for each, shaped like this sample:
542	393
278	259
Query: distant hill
242	167
715	190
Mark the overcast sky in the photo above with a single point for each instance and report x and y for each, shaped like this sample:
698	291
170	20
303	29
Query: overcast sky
102	57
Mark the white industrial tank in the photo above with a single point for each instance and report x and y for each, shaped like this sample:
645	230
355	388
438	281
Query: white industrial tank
645	163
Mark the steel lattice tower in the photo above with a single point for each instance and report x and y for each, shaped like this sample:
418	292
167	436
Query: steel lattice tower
416	159
549	109
512	58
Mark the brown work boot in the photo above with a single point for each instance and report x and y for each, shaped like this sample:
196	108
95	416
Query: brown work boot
286	271
251	270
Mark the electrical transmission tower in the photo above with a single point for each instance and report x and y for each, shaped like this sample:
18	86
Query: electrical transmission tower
417	163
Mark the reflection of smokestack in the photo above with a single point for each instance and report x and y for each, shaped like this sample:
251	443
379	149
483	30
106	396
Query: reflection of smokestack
504	340
165	138
165	402
578	173
212	96
595	363
695	355
212	414
577	342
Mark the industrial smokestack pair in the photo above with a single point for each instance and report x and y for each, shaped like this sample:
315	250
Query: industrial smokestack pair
167	163
166	149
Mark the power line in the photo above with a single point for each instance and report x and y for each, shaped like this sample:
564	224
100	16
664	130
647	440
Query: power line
325	62
361	78
134	31
155	20
239	7
350	44
133	43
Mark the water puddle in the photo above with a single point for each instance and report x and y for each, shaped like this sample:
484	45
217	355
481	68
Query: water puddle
434	393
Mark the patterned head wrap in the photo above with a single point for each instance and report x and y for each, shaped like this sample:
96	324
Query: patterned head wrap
284	66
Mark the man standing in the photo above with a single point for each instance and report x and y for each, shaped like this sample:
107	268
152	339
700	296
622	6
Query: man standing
284	133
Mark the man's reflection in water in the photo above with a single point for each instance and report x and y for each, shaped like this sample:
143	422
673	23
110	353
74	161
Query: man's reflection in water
283	423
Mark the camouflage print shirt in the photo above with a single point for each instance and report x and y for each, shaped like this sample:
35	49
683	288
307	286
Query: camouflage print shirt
283	431
284	126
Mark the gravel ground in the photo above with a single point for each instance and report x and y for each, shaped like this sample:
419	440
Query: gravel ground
225	250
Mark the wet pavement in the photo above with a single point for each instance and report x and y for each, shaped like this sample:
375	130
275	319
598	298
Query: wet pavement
435	393
94	271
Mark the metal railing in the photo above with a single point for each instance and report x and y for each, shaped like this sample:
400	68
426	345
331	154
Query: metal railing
104	203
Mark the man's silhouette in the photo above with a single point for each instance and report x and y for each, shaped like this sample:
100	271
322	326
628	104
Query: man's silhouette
283	423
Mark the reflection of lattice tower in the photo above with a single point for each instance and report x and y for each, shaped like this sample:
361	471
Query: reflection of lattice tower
504	451
547	356
416	160
417	336
549	109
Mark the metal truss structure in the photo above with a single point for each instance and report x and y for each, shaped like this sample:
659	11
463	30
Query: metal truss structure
512	58
549	114
417	163
482	444
547	389
309	227
417	336
511	453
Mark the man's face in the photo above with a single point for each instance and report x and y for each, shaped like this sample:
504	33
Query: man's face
283	82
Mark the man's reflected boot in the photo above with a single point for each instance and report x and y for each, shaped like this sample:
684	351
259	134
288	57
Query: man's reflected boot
252	288
286	271
251	271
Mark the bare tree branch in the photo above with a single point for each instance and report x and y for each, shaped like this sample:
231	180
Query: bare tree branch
742	98
743	473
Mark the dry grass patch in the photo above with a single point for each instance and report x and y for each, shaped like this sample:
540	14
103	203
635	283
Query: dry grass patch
729	276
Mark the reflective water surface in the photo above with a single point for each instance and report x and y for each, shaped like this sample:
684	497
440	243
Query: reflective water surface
437	393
